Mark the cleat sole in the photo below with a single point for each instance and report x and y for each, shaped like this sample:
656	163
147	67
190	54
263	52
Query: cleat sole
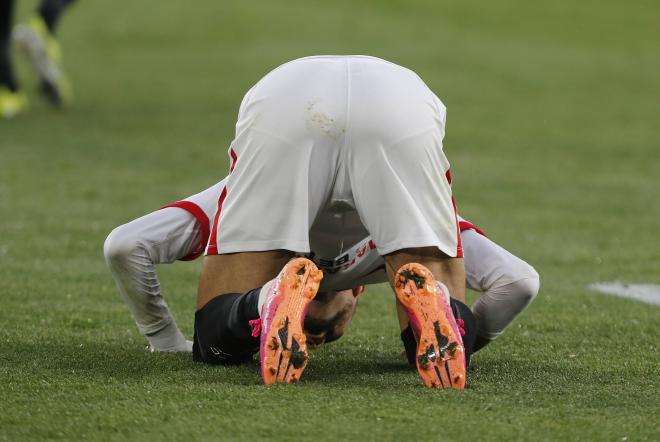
440	353
284	358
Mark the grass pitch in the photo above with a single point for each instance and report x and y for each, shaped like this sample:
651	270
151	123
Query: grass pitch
553	139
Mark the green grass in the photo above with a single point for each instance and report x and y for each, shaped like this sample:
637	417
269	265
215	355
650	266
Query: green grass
553	137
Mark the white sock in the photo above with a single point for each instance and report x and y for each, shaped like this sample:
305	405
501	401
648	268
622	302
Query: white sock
262	294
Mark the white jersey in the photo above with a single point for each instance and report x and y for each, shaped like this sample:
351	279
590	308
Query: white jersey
319	140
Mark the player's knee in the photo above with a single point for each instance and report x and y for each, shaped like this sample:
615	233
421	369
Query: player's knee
119	245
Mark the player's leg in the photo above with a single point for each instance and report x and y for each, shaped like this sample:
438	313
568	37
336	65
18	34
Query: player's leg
264	211
11	101
441	357
229	301
37	39
231	327
132	251
507	285
361	264
326	320
238	272
447	269
282	172
233	313
228	304
443	268
399	177
234	319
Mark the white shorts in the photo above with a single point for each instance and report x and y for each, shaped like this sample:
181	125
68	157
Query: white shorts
330	149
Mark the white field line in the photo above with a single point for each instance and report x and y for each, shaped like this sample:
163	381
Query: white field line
648	293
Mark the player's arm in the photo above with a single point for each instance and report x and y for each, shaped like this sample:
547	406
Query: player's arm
176	232
132	250
507	285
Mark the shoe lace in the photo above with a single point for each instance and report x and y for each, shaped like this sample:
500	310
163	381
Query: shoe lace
255	324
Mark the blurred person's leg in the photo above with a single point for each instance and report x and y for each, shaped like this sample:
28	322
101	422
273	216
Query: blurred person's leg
11	101
6	73
51	10
37	39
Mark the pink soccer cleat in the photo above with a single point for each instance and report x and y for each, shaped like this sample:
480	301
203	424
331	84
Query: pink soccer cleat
440	352
283	348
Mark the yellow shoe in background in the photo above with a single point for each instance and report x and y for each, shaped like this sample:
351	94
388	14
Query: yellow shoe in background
11	103
45	53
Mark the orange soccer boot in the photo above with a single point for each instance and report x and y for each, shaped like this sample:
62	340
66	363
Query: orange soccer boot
283	346
440	353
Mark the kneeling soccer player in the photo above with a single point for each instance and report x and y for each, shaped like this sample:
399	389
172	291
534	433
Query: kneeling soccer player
180	231
342	203
351	138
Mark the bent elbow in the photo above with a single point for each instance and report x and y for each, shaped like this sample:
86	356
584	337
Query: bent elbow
118	246
528	287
